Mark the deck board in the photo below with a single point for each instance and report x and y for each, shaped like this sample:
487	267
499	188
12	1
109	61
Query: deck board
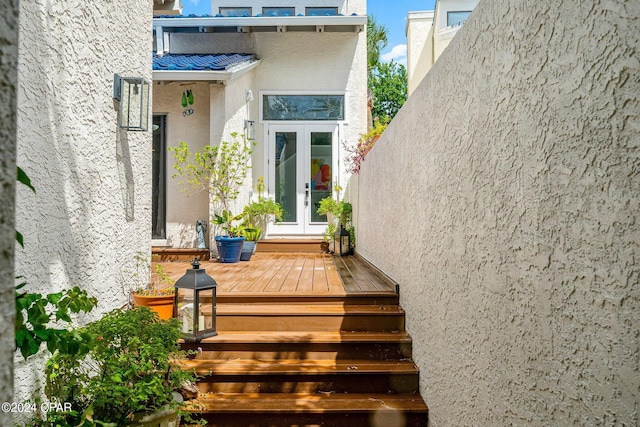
292	274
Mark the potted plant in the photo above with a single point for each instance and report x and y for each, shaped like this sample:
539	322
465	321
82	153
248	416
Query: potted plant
263	211
222	170
157	295
251	237
126	375
338	213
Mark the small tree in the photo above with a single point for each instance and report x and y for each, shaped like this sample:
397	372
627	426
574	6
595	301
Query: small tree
388	82
220	169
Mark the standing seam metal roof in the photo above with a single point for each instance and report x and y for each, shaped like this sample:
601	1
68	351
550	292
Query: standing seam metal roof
199	62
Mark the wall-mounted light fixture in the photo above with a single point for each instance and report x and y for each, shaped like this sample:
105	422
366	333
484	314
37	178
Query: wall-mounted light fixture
250	129
133	95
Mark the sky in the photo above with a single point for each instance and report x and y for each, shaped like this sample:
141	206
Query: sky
390	13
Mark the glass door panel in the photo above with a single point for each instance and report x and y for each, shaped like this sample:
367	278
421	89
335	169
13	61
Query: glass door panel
321	172
286	181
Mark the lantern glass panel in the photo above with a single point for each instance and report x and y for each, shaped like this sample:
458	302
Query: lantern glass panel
184	307
344	245
206	309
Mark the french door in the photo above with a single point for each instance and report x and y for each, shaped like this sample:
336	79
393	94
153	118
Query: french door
302	164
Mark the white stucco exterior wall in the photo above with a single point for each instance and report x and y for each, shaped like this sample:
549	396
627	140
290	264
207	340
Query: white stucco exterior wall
420	47
184	207
510	216
92	210
8	83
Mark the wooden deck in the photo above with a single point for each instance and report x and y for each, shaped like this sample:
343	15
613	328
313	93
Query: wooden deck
293	274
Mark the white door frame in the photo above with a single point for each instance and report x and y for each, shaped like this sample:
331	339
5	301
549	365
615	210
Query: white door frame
303	224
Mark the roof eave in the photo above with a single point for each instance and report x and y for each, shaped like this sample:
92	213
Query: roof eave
196	75
262	21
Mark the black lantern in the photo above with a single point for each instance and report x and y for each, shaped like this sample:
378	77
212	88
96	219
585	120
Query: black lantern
342	242
195	303
133	94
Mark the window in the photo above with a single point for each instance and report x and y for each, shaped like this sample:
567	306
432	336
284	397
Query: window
158	187
321	11
278	11
235	11
303	107
457	18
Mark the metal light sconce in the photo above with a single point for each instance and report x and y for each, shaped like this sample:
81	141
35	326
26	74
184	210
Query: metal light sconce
195	303
342	242
250	129
133	95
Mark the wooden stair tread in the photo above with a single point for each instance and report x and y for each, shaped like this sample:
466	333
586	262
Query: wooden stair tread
306	309
298	367
306	337
308	403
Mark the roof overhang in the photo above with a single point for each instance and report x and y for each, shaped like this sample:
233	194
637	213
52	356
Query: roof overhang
208	76
264	23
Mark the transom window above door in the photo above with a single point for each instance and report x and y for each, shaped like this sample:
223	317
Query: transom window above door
303	107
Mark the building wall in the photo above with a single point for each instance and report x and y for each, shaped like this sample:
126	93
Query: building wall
346	7
300	61
420	47
426	43
92	210
184	206
507	208
8	83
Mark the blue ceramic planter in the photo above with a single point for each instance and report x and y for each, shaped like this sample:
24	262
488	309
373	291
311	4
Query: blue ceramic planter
229	248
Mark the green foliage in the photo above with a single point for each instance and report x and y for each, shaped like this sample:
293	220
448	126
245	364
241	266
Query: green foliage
251	234
35	312
376	41
129	367
357	154
220	169
261	210
388	83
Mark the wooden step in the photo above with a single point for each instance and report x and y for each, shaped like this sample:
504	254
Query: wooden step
304	345
318	409
305	376
290	245
280	298
164	254
309	317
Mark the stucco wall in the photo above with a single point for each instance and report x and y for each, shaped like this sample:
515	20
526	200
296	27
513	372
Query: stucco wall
508	191
419	47
183	208
8	82
92	210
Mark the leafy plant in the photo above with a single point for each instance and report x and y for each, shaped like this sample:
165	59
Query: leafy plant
356	155
35	313
131	366
261	212
342	211
220	169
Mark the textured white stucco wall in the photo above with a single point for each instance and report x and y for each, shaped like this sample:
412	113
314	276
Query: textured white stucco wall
419	47
183	208
8	83
508	192
92	210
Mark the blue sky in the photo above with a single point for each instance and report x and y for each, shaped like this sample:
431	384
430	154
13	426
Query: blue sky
391	14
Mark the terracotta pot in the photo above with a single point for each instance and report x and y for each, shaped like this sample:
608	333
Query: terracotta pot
161	304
